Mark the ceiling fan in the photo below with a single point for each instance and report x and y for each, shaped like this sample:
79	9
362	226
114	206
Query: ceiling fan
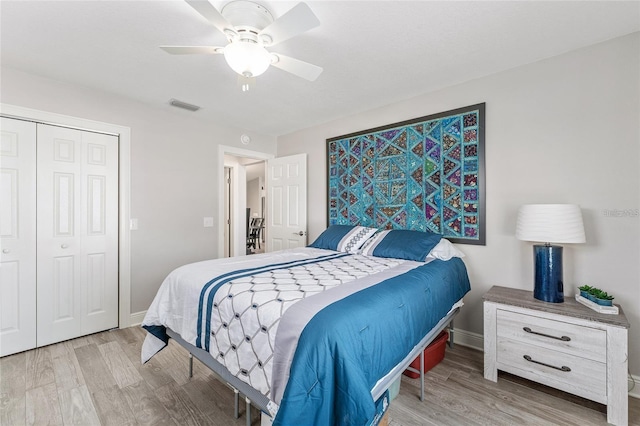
250	28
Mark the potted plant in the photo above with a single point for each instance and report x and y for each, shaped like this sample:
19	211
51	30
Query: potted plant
592	293
604	299
584	290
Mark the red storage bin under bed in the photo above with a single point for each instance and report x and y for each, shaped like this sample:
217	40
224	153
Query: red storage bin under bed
433	354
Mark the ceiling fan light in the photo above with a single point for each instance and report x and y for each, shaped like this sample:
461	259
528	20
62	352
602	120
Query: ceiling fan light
246	83
247	58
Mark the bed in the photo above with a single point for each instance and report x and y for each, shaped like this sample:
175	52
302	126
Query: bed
314	335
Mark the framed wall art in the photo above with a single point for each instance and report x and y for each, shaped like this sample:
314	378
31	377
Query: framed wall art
423	174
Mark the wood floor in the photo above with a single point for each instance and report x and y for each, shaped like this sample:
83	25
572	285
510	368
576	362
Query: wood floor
98	380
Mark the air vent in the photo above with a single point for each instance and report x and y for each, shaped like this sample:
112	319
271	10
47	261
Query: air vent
183	105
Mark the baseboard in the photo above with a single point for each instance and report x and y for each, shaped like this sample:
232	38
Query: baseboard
469	339
635	392
136	318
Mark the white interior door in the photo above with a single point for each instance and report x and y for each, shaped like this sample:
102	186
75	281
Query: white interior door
287	202
77	243
17	236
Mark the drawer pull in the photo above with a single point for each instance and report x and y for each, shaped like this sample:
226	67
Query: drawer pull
563	368
563	338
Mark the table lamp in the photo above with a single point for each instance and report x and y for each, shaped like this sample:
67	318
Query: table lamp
549	223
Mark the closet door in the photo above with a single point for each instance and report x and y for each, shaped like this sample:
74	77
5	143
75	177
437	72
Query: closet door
77	243
17	236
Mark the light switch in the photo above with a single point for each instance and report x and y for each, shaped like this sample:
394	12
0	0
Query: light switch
208	222
133	224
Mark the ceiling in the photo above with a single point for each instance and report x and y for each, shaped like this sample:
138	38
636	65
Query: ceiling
373	53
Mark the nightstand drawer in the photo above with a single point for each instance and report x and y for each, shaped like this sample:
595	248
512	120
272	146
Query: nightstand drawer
571	339
569	373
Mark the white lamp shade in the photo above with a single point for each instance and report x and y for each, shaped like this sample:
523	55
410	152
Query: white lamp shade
550	223
247	58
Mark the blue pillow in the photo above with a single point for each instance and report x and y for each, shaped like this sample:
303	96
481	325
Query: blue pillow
402	244
344	238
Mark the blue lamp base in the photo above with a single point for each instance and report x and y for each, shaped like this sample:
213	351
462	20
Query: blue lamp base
548	285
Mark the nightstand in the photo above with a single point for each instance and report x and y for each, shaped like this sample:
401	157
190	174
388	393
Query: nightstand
563	345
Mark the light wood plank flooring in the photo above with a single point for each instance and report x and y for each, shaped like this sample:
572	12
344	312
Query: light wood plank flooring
98	380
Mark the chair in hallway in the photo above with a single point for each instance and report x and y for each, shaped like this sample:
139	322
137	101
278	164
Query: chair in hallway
254	234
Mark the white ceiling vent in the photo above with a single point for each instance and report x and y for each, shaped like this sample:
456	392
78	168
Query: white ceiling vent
183	105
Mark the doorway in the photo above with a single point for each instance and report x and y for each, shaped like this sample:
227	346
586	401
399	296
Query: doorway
242	165
256	214
244	190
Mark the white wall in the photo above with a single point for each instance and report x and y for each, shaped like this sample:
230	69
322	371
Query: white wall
562	130
253	197
174	173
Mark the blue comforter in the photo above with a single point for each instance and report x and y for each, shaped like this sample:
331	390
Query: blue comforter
339	358
324	326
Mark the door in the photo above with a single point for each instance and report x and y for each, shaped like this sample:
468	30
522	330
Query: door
77	242
17	236
287	202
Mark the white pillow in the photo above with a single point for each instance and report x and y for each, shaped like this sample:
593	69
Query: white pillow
444	250
355	239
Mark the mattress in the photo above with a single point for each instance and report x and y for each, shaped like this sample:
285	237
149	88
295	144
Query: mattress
312	330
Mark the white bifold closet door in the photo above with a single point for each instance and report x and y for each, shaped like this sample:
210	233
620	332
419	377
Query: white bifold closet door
59	267
77	244
17	236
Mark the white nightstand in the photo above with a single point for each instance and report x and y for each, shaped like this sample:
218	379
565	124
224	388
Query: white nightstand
563	345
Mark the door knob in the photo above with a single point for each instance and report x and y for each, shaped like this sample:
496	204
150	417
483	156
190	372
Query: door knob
300	233
5	251
64	246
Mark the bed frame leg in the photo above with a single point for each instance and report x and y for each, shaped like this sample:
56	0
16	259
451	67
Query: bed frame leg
451	334
421	375
248	411
236	400
190	365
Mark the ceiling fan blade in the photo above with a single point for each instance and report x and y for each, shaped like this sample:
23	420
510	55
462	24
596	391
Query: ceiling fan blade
192	50
212	15
296	67
296	21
